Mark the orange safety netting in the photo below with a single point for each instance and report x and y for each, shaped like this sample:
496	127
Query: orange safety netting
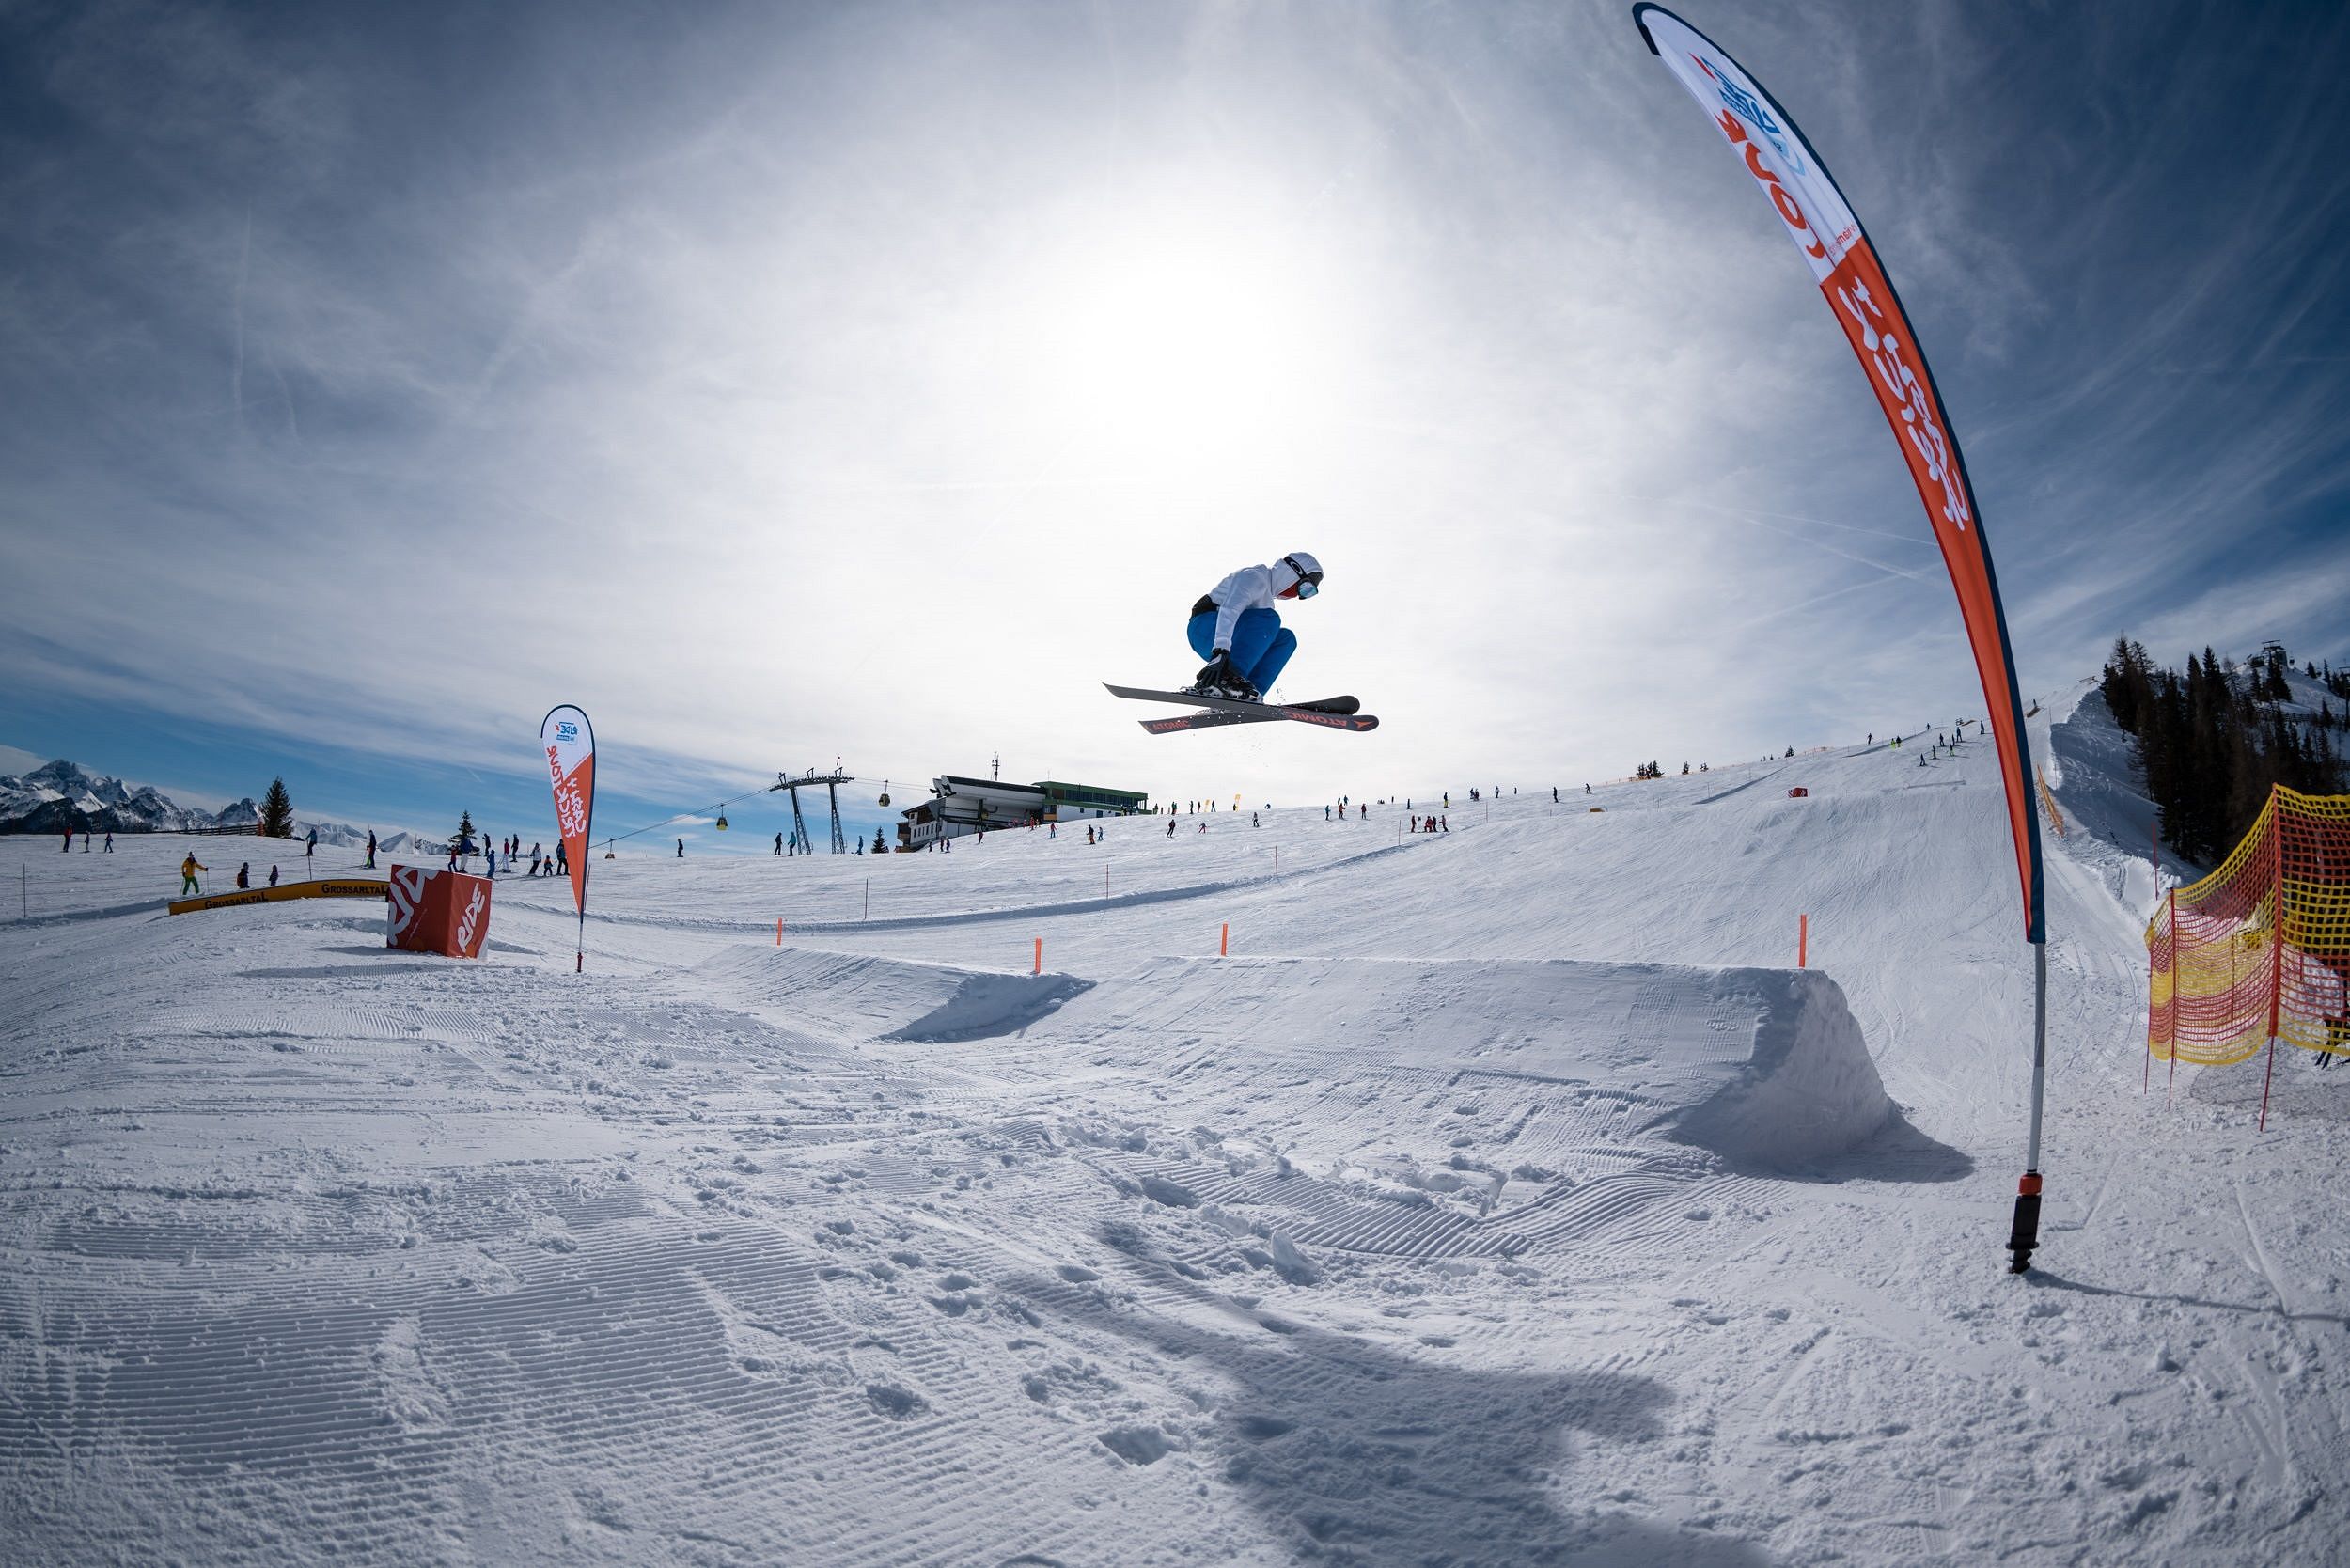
2219	984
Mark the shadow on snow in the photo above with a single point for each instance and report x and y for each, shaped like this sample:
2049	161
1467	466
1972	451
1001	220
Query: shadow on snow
1357	1454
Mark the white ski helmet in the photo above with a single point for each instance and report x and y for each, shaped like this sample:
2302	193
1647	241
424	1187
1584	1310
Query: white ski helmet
1308	572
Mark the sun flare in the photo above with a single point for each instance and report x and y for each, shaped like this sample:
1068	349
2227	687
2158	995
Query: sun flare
1183	341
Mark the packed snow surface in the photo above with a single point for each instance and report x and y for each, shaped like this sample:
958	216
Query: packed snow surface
1503	1196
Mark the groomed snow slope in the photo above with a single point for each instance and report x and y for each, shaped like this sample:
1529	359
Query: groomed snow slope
1505	1198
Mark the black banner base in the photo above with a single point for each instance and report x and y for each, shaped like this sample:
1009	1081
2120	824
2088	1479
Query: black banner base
2025	1237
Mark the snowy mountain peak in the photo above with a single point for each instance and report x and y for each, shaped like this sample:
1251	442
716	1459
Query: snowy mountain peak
60	794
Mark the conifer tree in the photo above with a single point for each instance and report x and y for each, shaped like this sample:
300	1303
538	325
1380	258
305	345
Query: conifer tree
2214	743
464	828
276	811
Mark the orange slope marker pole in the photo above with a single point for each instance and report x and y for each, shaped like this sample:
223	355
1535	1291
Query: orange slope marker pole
1224	941
1039	957
1803	941
778	930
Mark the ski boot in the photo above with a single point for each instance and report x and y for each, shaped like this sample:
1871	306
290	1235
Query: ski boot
1218	679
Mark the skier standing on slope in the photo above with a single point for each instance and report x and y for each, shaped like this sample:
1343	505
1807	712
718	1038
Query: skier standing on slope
188	868
1238	630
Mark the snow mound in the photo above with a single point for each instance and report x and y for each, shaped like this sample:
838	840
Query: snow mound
990	1004
1759	1066
1807	1087
863	998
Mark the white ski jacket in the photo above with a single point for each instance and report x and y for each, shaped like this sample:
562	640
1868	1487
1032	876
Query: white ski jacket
1252	587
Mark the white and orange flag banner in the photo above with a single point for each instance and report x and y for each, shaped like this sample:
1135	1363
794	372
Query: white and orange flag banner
1820	223
569	744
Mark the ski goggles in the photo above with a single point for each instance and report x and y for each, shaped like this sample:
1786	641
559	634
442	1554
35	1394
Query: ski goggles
1308	583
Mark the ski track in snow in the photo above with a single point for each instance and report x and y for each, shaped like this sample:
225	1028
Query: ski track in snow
1451	1219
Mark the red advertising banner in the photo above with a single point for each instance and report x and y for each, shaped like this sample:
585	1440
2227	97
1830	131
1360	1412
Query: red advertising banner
434	911
1789	173
1837	249
569	743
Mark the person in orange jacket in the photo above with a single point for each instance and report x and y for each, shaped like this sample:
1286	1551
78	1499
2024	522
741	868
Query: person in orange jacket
188	868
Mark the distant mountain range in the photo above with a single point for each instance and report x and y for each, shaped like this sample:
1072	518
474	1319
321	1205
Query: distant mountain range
60	794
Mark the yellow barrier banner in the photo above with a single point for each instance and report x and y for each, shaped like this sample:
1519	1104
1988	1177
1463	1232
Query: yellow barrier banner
344	888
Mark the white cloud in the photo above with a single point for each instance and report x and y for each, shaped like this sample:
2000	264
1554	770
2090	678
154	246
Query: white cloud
792	387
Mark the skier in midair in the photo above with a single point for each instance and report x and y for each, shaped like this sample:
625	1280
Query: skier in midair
1237	628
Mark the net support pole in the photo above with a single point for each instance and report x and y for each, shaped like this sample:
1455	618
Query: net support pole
2268	1076
2025	1237
2154	863
2169	1090
2275	943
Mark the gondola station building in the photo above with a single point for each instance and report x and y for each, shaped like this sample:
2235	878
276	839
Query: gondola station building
959	805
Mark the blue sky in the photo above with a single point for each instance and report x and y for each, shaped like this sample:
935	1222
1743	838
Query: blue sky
784	384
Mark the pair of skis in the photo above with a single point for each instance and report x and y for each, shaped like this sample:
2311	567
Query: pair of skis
1330	713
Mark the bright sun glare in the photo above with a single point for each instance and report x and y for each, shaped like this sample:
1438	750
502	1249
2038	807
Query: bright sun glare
1181	344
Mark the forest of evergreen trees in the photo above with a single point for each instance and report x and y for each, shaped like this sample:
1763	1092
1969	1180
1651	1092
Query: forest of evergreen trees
2211	739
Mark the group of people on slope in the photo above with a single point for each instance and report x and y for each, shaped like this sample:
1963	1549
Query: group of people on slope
511	847
189	867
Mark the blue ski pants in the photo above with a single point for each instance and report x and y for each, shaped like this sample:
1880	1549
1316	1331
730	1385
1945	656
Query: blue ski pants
1260	644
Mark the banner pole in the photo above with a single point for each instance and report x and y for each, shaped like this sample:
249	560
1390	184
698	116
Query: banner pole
1844	263
2024	1235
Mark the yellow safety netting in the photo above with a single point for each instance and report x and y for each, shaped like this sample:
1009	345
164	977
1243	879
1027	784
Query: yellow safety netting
2220	981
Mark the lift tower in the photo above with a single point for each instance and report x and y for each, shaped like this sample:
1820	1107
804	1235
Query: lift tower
832	782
